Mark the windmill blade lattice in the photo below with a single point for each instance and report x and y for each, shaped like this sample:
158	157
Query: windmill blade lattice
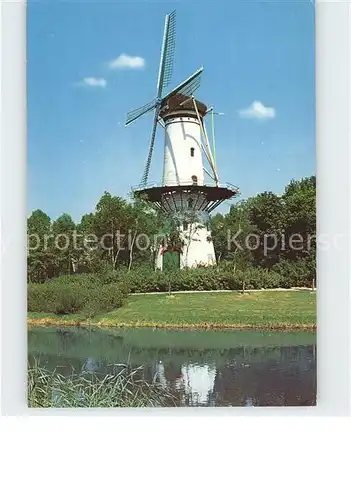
136	113
167	54
151	148
189	86
164	77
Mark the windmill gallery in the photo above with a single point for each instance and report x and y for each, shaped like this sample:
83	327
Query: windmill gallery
189	191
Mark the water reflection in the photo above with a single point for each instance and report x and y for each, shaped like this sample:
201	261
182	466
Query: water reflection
239	376
92	365
286	379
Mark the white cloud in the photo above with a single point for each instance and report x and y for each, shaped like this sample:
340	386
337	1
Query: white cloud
124	61
258	111
91	81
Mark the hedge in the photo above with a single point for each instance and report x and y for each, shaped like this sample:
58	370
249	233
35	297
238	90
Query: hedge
87	295
90	294
211	278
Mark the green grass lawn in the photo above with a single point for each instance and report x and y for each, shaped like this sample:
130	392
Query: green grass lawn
269	309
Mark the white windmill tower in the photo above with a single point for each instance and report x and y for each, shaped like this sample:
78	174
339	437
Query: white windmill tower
184	195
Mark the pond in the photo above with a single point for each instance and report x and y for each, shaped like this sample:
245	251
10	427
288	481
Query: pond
204	368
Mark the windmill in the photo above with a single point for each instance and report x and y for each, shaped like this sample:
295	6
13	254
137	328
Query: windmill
185	195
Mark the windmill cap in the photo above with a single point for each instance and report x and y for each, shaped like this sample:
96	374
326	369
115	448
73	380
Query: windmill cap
173	104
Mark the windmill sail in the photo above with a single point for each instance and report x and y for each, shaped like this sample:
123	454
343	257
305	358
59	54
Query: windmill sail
151	147
136	113
165	69
164	77
188	86
167	54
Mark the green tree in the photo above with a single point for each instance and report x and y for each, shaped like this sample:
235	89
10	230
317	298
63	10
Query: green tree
230	233
267	215
64	249
40	259
300	217
88	258
111	225
145	225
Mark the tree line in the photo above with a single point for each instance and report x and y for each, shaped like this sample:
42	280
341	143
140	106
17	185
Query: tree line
266	231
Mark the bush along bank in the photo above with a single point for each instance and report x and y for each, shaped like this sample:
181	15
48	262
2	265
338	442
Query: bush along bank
90	294
87	295
210	278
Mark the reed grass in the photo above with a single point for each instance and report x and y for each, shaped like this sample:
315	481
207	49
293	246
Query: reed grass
125	389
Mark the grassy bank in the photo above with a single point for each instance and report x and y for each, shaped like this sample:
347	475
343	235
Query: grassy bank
268	309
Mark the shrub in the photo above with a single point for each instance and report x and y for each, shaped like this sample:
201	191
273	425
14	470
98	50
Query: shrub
68	299
295	273
198	279
85	294
40	298
111	296
217	278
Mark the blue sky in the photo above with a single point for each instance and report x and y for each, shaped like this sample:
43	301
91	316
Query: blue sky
252	52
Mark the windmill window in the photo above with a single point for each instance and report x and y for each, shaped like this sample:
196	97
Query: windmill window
190	203
192	151
194	179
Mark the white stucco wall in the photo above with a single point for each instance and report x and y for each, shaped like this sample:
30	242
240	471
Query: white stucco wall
198	249
182	134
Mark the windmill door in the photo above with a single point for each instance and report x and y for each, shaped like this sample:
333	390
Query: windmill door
171	260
